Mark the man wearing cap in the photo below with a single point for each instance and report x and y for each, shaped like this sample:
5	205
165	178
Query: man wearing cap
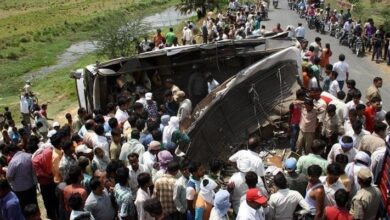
185	106
365	203
252	208
284	202
56	128
296	181
362	160
151	106
375	140
149	157
345	146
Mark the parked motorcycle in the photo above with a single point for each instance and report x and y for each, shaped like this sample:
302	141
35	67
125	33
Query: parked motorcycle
320	26
311	22
332	29
359	46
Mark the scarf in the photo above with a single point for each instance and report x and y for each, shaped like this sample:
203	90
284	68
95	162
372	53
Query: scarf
222	203
164	157
207	190
345	145
173	125
101	163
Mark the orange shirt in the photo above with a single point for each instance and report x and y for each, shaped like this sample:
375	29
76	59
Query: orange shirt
306	80
71	189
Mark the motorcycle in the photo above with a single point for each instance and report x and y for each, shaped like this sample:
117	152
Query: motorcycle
320	26
302	12
275	3
338	32
359	46
291	4
332	29
311	22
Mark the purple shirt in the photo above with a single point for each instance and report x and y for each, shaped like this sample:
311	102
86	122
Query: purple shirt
10	208
20	172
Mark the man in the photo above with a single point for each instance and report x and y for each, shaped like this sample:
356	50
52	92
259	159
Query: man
158	39
21	176
149	157
25	108
347	28
340	105
304	162
342	68
151	107
123	195
313	80
284	202
370	113
134	169
68	160
334	87
193	187
79	122
357	133
317	46
187	35
362	160
365	203
90	135
132	146
339	211
296	181
373	141
163	190
277	29
179	192
351	85
98	202
252	207
331	127
10	207
185	106
211	82
237	182
315	193
169	37
171	106
74	180
373	90
121	113
332	183
351	105
300	32
256	163
307	126
345	146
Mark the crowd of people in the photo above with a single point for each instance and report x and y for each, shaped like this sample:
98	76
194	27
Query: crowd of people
124	162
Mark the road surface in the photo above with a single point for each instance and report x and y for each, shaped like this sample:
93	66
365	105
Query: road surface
362	69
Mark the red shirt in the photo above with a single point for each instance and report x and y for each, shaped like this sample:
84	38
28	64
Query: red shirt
42	163
370	118
295	111
71	189
334	213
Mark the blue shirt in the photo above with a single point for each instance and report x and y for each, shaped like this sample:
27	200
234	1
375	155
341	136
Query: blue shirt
20	172
10	208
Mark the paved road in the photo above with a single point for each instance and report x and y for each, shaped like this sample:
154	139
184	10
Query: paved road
361	69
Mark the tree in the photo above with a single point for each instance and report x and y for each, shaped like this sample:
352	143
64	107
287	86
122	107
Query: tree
200	6
119	36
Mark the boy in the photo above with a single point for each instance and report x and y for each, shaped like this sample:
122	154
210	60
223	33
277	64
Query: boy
331	127
295	117
115	147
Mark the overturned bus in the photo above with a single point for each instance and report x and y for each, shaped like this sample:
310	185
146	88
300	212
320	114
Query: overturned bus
102	83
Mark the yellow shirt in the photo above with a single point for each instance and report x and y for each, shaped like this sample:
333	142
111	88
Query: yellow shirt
56	158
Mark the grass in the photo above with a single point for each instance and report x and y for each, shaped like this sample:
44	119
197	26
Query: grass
369	10
34	32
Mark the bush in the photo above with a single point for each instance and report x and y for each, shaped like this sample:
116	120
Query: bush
24	39
12	56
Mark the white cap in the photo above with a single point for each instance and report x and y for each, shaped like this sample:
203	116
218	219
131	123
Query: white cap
56	124
148	96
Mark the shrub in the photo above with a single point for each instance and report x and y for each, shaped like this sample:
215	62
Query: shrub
12	56
24	39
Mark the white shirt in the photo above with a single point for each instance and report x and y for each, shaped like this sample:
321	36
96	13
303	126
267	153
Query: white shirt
133	182
350	105
342	68
212	85
337	149
24	105
330	190
377	161
248	213
284	202
334	88
179	194
187	35
102	142
357	138
148	160
313	83
214	215
185	109
240	189
142	196
256	162
121	116
300	31
352	169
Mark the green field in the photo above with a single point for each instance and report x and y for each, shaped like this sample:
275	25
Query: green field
33	33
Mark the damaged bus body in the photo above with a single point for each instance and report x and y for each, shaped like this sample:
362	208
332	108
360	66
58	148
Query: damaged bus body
101	83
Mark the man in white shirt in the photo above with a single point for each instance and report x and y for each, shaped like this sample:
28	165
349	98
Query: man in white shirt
252	208
334	85
24	108
284	202
211	82
340	105
357	133
134	169
342	68
356	96
332	183
121	113
345	146
300	32
187	35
